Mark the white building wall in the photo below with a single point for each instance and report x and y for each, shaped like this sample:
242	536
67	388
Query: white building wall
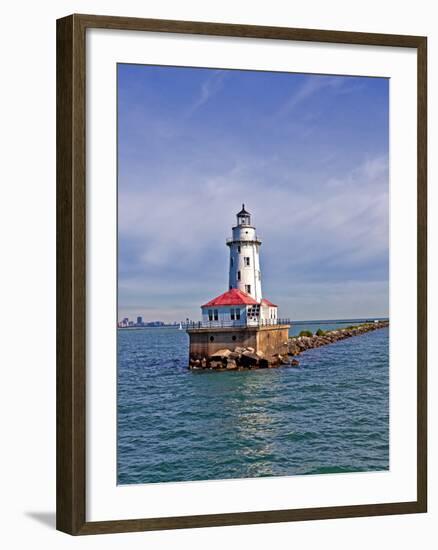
267	316
223	316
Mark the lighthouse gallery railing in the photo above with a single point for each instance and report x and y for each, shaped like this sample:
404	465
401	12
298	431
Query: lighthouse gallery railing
236	324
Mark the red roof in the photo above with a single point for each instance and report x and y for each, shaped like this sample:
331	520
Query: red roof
266	302
233	297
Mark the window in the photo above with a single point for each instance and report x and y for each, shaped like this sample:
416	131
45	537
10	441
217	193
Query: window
232	262
247	260
254	311
232	314
237	314
216	315
238	275
247	288
210	315
238	249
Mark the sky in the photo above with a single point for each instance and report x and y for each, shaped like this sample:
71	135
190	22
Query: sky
307	154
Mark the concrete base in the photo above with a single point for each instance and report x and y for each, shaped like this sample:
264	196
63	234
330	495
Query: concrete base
269	340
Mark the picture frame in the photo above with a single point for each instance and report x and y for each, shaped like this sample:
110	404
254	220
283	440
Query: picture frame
72	270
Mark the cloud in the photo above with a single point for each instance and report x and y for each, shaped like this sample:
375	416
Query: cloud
312	86
211	86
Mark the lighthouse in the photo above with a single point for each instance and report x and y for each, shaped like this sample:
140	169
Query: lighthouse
244	245
240	316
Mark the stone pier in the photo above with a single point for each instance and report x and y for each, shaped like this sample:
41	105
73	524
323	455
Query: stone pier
267	342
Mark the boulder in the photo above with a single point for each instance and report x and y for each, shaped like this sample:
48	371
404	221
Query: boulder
278	359
231	364
221	354
248	359
293	347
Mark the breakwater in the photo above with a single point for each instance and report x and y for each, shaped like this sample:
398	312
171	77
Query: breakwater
305	340
242	358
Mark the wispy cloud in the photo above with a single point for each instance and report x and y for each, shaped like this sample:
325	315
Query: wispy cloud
210	87
312	86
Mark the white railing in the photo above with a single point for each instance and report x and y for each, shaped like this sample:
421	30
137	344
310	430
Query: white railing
236	324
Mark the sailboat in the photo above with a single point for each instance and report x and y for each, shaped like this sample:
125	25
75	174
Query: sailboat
180	326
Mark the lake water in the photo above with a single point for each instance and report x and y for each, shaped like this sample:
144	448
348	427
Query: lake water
328	415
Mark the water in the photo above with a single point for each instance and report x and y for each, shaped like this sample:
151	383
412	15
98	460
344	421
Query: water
329	415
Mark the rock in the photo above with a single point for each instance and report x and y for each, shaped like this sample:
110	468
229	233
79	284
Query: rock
263	363
294	362
278	359
231	364
251	350
239	349
293	347
260	354
248	359
221	354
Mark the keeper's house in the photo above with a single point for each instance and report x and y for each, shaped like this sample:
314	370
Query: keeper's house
240	316
235	308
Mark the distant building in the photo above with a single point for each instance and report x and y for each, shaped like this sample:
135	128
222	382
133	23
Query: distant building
139	320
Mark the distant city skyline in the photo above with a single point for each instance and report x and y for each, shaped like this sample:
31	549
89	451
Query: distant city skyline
307	154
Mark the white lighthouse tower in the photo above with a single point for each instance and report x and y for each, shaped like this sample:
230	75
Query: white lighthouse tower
245	274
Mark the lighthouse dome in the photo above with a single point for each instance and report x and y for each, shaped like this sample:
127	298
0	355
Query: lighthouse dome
243	212
243	217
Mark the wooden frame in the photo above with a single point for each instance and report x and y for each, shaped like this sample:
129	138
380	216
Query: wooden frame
71	266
